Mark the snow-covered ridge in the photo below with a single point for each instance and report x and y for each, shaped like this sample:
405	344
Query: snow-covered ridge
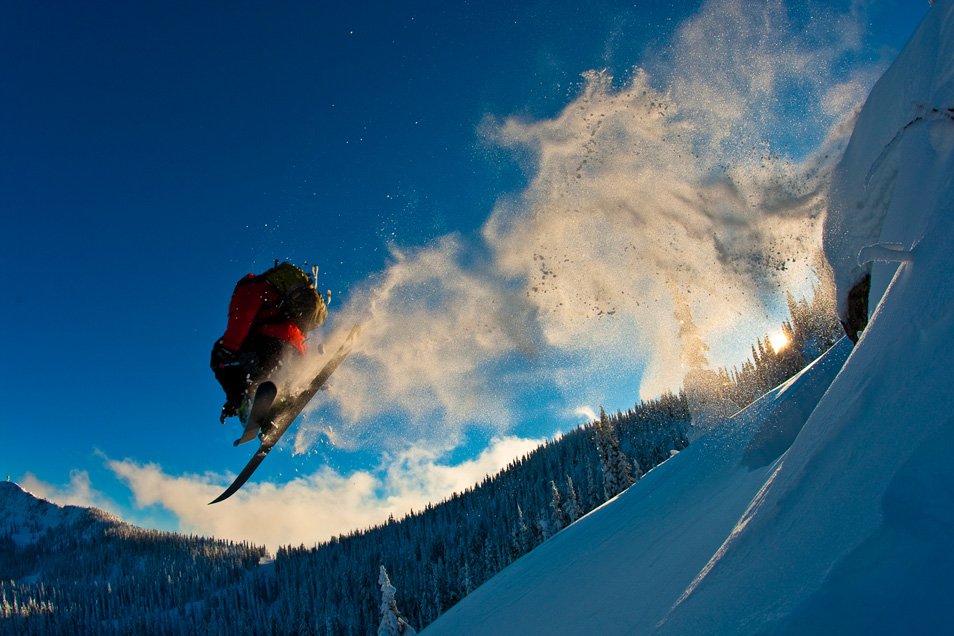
82	571
26	519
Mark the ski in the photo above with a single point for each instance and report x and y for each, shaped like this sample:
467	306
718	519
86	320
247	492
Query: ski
283	413
261	405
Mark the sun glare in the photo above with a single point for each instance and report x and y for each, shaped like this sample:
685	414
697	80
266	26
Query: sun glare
778	341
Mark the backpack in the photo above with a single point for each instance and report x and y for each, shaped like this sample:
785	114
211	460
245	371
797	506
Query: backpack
300	302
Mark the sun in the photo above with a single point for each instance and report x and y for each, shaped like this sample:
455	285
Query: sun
779	341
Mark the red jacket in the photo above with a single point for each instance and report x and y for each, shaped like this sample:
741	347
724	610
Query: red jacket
255	307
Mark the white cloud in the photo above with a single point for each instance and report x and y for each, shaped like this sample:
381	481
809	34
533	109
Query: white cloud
318	506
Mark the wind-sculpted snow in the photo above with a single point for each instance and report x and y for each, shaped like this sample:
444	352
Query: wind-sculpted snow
855	517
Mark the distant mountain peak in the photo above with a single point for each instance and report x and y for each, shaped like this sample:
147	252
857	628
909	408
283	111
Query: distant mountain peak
26	518
14	498
8	488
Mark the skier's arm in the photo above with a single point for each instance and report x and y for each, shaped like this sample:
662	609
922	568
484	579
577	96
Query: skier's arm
246	302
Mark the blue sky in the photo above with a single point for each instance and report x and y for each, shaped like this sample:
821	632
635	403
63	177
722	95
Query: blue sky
465	190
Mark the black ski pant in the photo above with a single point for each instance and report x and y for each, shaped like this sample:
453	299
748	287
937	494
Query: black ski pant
259	357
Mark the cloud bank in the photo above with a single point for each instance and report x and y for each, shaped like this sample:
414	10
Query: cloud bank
310	508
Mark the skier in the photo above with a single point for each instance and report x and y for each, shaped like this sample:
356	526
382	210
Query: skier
269	316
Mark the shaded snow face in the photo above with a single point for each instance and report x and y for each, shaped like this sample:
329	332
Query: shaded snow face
896	155
699	180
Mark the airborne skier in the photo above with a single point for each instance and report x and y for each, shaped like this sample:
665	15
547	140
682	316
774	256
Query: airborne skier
269	315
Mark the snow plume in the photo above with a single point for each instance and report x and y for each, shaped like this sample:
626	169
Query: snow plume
701	184
434	334
642	196
313	507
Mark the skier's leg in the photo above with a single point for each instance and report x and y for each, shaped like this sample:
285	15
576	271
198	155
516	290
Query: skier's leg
234	379
270	354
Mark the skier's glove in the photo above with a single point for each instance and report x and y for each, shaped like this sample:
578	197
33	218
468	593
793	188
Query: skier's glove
223	357
228	410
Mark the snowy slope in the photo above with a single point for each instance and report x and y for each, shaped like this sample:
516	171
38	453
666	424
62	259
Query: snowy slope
849	531
853	534
626	563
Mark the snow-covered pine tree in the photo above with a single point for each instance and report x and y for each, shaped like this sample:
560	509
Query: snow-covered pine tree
466	580
520	536
558	516
391	622
592	493
617	470
572	505
543	525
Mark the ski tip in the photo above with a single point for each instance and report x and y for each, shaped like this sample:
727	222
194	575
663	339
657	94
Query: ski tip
231	490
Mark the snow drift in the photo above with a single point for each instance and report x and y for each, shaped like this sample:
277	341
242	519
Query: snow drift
813	511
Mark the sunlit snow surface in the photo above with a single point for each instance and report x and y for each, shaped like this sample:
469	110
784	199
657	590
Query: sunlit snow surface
849	529
627	562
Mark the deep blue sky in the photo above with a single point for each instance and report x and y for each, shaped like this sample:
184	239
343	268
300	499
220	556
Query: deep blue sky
153	153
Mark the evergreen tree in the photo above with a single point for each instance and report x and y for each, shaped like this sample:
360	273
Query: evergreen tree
391	622
592	493
521	535
572	505
558	516
617	471
543	526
